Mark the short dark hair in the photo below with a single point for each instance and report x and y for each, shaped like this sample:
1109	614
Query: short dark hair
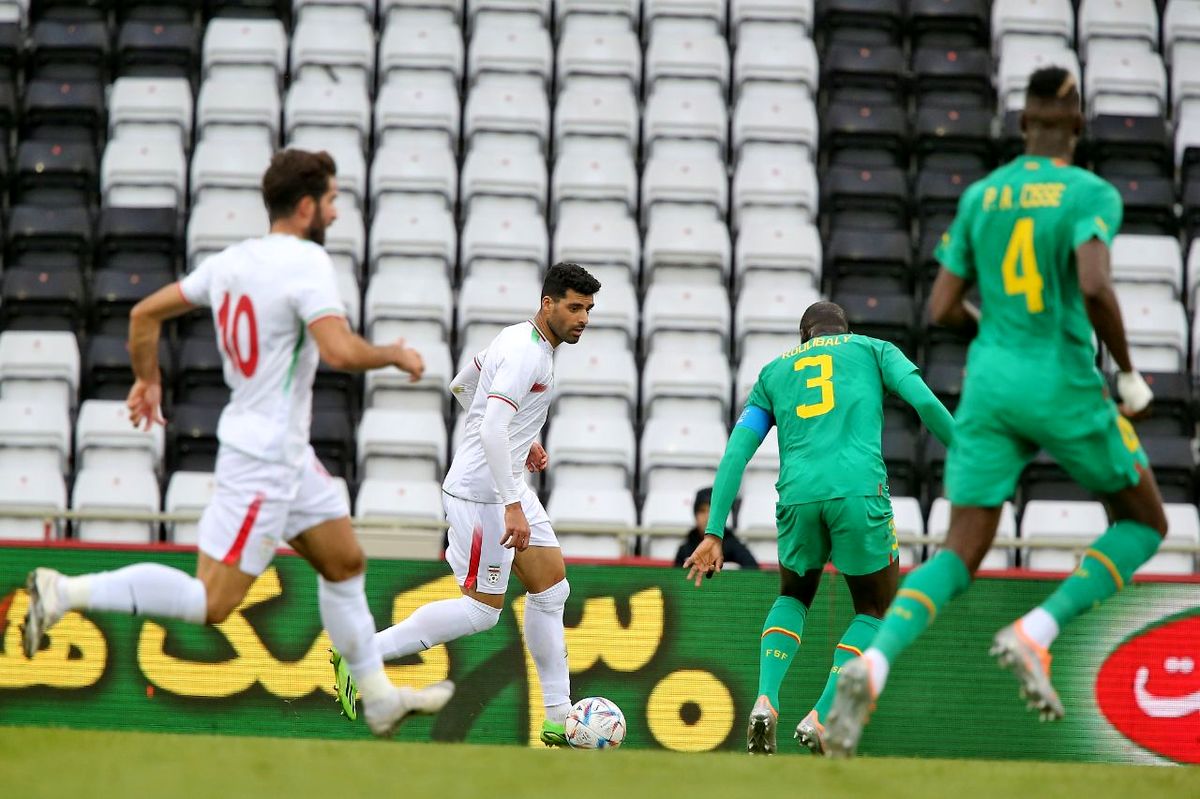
826	316
1051	83
292	176
703	500
564	276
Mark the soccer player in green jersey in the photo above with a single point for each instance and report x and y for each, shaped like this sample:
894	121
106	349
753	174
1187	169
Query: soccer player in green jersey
826	397
1034	236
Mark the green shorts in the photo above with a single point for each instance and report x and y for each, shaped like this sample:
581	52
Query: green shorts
857	533
1000	426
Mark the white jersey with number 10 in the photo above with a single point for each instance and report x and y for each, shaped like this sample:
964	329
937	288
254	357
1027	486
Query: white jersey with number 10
264	293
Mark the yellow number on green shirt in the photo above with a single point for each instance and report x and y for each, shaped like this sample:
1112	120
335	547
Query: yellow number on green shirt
1028	280
823	380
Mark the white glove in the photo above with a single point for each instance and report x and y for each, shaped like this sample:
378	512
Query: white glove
1135	394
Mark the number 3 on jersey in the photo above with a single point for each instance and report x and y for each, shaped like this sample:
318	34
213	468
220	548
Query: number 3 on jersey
823	381
1020	253
231	326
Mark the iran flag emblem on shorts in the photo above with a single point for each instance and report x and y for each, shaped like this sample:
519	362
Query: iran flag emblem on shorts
493	575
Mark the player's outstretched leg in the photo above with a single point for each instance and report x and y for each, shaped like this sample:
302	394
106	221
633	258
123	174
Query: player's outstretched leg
147	589
810	732
546	641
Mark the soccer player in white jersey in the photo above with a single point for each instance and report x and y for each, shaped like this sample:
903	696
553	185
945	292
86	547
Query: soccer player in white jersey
277	310
497	522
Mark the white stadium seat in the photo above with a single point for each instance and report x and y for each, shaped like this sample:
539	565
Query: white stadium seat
413	102
603	47
593	108
685	52
997	557
347	154
187	492
215	225
41	366
1156	328
245	49
335	10
768	51
34	435
151	108
755	351
1193	274
1148	260
397	296
1183	527
508	104
1046	18
775	114
1181	23
400	168
391	388
593	441
1117	19
771	302
1124	78
400	500
702	13
407	227
125	491
594	170
752	13
540	8
617	316
593	372
229	164
667	508
346	240
510	44
777	239
143	173
687	308
494	299
508	230
595	508
689	173
1047	520
328	109
421	39
906	511
699	377
774	175
505	166
104	438
567	12
681	109
401	444
593	234
30	488
689	238
231	107
334	50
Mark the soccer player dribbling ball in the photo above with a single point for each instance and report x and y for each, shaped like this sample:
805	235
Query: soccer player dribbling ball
826	397
1034	236
277	311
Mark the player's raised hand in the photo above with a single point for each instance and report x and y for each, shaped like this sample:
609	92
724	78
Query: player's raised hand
538	460
706	560
516	528
145	404
1135	394
409	360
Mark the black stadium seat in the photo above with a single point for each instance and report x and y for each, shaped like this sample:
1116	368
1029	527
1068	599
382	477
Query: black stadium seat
1130	146
933	467
135	238
32	299
70	50
199	376
1174	466
874	72
107	373
1045	479
866	134
55	173
869	198
11	44
115	292
952	23
954	77
953	138
1173	410
937	191
157	47
333	440
945	379
1149	204
41	229
60	110
861	21
192	437
859	260
900	457
887	316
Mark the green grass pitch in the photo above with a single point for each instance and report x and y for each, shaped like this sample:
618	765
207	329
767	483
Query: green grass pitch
40	762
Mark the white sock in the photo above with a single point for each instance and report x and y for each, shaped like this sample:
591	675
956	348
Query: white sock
1039	625
143	589
347	619
879	669
547	643
436	623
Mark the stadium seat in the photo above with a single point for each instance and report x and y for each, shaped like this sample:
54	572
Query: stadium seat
870	260
773	52
57	106
187	493
398	444
682	51
115	491
55	173
107	373
599	47
151	108
1130	145
772	302
32	299
597	373
906	513
1021	56
773	175
34	435
1157	329
1124	78
937	191
253	50
399	168
1148	260
1180	25
1174	465
953	23
223	164
1033	18
667	514
69	50
595	509
1045	520
418	38
399	500
214	225
682	307
29	487
997	557
229	106
40	367
158	47
328	108
866	198
477	8
776	239
1183	527
750	13
1125	20
865	134
687	239
698	377
951	76
334	10
594	234
346	243
491	298
104	439
407	229
628	11
684	173
510	44
504	166
506	230
593	441
337	50
1149	204
145	173
679	109
115	292
756	350
775	114
416	102
881	315
347	155
391	388
594	170
681	443
700	13
507	104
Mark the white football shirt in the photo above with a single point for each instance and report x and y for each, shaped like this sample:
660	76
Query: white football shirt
517	368
264	293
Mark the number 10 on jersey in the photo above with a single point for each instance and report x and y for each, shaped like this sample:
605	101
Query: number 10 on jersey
231	327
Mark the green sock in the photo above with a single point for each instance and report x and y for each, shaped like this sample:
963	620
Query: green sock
855	640
1106	568
924	592
779	643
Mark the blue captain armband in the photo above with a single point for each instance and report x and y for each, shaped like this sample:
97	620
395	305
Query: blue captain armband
756	419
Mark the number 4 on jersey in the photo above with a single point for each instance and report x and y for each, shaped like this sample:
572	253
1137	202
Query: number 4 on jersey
1020	253
231	326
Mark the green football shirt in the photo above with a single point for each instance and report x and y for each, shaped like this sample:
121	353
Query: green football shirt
1015	235
826	398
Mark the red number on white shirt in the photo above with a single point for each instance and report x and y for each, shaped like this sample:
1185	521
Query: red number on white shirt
231	326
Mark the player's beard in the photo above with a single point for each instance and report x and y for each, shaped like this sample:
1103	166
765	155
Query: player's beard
566	335
316	230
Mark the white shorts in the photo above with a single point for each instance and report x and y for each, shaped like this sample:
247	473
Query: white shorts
475	553
257	505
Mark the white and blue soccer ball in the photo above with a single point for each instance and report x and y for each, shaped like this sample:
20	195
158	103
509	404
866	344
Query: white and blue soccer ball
595	723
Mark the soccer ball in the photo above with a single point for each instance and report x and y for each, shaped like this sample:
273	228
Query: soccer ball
595	723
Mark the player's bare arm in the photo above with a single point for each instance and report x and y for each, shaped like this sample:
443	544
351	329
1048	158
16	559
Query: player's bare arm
948	305
345	350
1100	300
145	328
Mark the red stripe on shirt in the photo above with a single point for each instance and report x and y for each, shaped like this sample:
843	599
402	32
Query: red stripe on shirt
504	399
234	555
476	550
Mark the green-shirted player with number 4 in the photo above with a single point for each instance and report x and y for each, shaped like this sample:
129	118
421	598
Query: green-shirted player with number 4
1034	235
826	397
